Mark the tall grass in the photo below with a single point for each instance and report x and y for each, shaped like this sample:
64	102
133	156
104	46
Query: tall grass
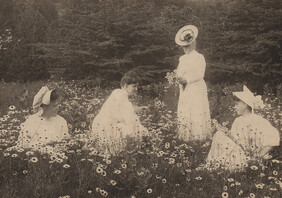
20	94
162	166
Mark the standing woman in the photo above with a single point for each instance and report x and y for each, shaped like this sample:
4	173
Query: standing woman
193	108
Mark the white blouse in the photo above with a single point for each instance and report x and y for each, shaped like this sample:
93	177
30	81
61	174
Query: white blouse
38	131
118	108
254	132
191	67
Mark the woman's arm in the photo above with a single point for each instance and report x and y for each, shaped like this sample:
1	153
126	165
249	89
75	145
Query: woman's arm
64	130
191	69
198	72
264	151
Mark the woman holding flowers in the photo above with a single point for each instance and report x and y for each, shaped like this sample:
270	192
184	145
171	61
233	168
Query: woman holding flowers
45	126
117	120
193	108
250	138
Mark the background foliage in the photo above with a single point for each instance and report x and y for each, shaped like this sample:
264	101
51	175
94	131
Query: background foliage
105	38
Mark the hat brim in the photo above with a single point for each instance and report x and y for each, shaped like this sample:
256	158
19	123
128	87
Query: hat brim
243	97
193	28
47	97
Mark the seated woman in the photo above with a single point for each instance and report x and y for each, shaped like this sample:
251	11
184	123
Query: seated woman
45	126
117	119
251	136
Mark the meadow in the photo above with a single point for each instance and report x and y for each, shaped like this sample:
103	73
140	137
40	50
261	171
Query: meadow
162	166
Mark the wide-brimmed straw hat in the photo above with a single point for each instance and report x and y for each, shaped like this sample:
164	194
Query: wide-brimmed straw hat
249	98
42	97
186	35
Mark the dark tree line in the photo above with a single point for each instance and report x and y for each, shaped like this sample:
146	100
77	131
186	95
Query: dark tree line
99	38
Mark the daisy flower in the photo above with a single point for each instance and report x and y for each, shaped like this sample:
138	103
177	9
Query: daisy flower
275	173
224	195
117	172
33	160
273	189
113	183
12	107
66	166
28	153
199	178
104	193
260	186
254	167
171	161
99	170
240	192
230	180
167	145
15	155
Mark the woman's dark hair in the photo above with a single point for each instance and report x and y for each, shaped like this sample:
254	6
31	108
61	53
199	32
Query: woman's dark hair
129	78
54	95
249	108
191	45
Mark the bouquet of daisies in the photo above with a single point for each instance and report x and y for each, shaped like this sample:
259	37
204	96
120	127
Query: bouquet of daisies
172	77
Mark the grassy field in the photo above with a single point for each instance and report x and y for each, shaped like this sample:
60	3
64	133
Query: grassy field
162	167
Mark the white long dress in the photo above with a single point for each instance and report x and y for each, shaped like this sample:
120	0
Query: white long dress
116	121
248	135
37	131
193	108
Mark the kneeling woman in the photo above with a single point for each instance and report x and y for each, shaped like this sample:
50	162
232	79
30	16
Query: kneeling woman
117	119
45	126
251	136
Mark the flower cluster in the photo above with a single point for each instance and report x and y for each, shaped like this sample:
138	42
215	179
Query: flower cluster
163	166
171	77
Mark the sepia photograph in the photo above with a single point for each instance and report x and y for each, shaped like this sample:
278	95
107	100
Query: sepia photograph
140	98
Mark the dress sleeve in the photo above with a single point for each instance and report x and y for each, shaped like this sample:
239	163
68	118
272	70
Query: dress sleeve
269	135
116	106
127	112
23	135
28	129
64	129
191	68
182	68
235	132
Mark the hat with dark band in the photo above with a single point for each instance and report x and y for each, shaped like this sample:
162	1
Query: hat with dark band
186	35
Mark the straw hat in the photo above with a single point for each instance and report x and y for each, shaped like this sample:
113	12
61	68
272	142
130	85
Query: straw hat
249	98
42	97
186	35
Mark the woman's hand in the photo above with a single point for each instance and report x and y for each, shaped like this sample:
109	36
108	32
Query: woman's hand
181	81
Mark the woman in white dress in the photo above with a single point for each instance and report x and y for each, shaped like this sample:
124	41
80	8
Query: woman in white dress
45	126
117	119
193	108
250	138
